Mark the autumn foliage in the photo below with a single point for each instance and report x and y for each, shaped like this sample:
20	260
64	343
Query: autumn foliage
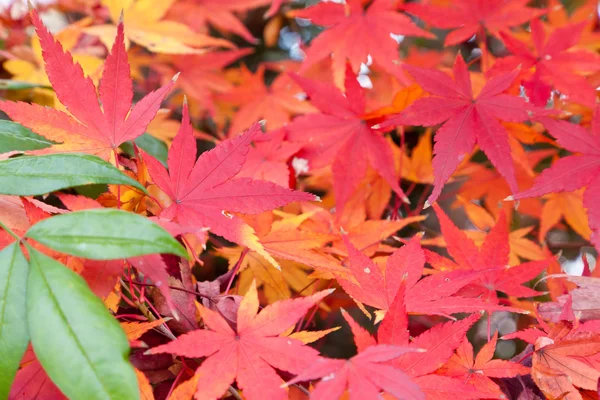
256	199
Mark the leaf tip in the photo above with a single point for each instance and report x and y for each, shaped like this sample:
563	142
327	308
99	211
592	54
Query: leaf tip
426	205
175	314
175	77
405	200
509	198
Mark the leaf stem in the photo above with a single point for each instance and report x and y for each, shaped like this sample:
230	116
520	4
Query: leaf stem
171	287
118	186
164	329
234	393
236	268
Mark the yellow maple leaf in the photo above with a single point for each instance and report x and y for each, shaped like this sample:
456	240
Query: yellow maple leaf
144	25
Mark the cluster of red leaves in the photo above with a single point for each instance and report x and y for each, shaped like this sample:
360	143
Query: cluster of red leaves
343	123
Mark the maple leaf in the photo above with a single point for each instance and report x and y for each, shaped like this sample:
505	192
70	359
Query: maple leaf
93	129
293	248
29	67
201	77
354	34
146	27
478	370
554	63
340	135
567	206
269	158
468	18
430	350
198	14
582	300
364	233
558	16
32	381
439	344
432	295
418	168
573	172
492	260
204	192
276	103
364	376
487	187
564	358
468	119
250	354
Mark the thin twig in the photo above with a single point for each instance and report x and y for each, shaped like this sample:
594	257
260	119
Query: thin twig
172	287
234	393
163	328
302	389
236	268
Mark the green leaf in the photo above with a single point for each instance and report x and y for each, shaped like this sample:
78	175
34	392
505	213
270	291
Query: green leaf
151	145
15	137
35	175
80	345
104	234
13	325
9	84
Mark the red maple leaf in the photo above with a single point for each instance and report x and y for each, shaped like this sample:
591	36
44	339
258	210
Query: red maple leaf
565	357
275	103
250	353
94	129
198	14
491	260
268	159
477	371
430	350
201	75
341	136
434	294
556	65
354	34
32	382
471	17
364	375
575	171
467	119
439	344
205	192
